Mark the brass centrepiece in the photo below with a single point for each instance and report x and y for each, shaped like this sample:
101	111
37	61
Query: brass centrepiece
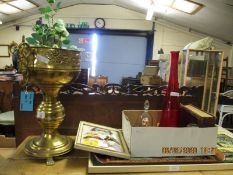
50	69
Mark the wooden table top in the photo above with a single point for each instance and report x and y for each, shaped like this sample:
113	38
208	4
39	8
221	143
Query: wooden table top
74	163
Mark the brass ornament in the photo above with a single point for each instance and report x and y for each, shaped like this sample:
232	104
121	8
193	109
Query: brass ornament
49	69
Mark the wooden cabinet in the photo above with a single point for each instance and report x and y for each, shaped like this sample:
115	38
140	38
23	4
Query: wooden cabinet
203	68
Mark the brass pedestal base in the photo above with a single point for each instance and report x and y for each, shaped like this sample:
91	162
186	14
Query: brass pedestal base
47	146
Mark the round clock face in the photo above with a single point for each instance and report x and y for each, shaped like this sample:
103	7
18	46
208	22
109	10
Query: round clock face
99	23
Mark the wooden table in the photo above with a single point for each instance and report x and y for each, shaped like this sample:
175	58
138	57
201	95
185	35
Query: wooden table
75	163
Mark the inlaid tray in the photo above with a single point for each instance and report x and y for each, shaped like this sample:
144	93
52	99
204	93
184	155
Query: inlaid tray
106	164
100	159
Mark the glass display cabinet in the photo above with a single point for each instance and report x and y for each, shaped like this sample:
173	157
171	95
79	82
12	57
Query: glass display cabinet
203	68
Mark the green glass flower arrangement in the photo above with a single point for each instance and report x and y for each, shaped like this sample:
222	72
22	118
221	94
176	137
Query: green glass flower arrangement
53	33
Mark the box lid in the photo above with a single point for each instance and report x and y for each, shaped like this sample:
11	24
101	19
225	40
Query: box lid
101	139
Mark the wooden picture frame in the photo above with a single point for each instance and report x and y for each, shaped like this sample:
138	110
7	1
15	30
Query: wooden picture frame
95	138
4	50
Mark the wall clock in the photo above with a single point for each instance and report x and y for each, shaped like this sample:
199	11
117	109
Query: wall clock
99	23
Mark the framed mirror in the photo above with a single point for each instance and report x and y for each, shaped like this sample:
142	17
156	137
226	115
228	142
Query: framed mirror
203	68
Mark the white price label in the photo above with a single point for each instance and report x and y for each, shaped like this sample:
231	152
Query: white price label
42	59
40	114
174	168
175	94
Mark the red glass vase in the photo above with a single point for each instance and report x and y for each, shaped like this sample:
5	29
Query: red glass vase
171	106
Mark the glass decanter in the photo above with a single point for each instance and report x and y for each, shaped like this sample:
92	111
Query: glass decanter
146	118
171	106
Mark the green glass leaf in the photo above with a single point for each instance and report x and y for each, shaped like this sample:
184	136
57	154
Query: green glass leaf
51	1
48	9
44	39
48	41
31	41
66	41
46	16
60	26
36	36
52	34
42	10
36	28
60	22
65	33
45	10
58	6
56	37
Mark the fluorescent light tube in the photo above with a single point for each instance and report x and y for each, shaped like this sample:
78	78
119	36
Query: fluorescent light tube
7	9
150	12
185	6
164	2
22	4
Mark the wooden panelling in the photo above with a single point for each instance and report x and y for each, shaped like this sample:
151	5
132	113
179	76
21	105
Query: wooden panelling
100	109
6	87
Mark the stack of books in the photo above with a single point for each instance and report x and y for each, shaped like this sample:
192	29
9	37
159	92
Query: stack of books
10	76
225	143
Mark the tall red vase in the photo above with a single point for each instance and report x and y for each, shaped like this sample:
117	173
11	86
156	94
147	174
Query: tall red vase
171	107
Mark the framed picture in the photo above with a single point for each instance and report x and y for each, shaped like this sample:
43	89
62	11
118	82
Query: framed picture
4	50
101	139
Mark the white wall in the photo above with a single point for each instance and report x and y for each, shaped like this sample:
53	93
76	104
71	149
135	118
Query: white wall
167	36
172	37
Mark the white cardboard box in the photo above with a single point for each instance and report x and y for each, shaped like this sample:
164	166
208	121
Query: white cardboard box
166	141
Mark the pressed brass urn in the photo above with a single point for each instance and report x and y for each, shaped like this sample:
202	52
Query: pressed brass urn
50	69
